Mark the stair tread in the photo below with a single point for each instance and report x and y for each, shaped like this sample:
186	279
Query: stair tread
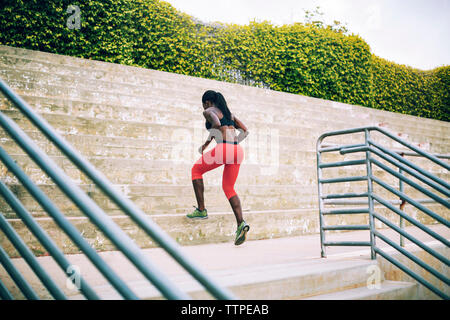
363	292
64	61
272	105
282	259
246	276
143	71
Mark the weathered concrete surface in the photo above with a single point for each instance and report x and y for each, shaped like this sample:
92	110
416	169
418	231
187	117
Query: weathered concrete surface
388	290
283	268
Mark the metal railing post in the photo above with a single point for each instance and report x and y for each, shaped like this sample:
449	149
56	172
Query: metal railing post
4	293
369	196
17	277
31	260
402	205
42	236
323	253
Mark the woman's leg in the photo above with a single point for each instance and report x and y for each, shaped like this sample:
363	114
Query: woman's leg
230	173
235	203
199	190
207	162
234	158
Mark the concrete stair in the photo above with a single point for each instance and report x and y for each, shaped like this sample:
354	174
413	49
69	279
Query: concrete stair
287	268
388	290
288	281
142	128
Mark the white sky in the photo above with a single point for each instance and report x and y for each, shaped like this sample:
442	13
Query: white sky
411	32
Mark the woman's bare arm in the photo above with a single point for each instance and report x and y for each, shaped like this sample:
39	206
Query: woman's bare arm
212	118
243	131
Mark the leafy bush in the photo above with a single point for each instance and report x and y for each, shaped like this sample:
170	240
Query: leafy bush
402	89
311	59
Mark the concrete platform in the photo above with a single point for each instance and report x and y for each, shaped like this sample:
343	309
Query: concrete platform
285	268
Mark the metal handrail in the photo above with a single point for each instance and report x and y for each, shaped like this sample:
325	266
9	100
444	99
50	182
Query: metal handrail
29	257
395	158
398	151
95	214
43	238
66	226
18	278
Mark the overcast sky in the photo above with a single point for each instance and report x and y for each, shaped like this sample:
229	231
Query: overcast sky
411	32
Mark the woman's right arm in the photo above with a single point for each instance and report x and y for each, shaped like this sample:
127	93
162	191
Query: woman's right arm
212	118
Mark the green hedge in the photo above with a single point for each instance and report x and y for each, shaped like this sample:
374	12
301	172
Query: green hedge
309	59
402	89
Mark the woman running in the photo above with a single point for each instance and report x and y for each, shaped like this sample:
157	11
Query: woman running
221	125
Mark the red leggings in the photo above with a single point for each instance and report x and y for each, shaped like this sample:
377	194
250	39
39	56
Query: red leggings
223	153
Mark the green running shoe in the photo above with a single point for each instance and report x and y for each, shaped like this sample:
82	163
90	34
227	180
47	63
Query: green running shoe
241	233
197	214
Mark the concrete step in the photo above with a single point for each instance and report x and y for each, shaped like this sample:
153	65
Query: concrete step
162	199
103	69
26	79
148	130
156	112
123	171
129	168
418	137
219	227
22	81
152	201
176	199
93	70
306	140
154	109
138	166
98	148
282	268
393	273
158	191
131	147
108	140
130	171
35	60
387	290
135	165
272	282
322	124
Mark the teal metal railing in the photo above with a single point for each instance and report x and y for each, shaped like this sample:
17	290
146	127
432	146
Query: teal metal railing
96	215
372	156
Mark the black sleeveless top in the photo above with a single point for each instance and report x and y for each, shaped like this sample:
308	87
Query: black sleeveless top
223	122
